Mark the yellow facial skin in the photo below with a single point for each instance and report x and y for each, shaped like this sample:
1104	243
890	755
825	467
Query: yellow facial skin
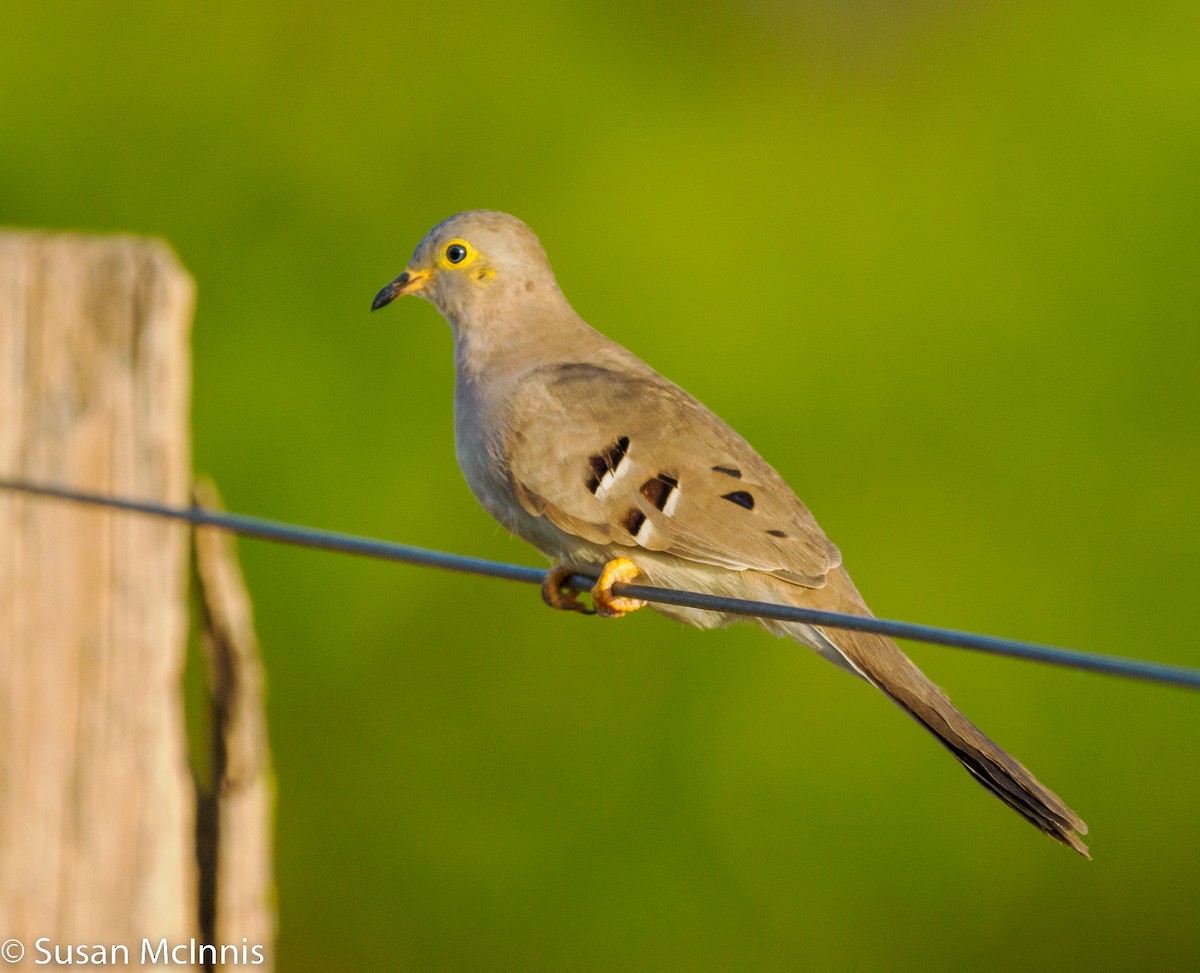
456	256
481	272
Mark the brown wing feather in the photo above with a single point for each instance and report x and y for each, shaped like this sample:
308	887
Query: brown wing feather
656	469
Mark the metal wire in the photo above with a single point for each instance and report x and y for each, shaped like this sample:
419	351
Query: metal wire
270	530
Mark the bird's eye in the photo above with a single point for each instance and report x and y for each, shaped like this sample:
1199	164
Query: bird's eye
456	253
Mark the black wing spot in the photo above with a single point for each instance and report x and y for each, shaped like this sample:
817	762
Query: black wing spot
599	468
728	471
658	489
606	461
634	519
741	498
777	533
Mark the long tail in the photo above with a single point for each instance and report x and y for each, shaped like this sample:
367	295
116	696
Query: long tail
880	661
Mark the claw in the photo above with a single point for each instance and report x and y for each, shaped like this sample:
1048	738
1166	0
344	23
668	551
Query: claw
556	596
619	570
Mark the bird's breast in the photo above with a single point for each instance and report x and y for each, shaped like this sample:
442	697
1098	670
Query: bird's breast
476	442
479	438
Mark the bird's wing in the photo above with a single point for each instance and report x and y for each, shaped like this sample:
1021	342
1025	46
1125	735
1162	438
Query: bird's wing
624	458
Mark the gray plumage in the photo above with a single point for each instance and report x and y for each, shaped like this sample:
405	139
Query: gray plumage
579	447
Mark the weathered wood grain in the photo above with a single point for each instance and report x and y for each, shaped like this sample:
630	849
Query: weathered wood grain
237	889
96	796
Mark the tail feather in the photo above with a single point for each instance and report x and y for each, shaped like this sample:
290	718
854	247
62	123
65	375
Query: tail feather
880	661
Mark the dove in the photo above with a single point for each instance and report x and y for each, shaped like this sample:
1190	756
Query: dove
577	446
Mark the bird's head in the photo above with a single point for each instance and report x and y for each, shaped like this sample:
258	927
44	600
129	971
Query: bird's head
473	261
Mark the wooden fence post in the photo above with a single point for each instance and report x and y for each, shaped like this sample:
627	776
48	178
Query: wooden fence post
97	801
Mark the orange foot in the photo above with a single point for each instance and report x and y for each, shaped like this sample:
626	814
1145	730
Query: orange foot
619	570
557	596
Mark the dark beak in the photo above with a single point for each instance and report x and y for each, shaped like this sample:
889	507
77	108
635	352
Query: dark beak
408	282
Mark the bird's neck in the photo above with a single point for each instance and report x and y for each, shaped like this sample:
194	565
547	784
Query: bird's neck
507	341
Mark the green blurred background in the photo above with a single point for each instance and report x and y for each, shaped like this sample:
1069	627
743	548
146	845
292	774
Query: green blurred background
940	262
